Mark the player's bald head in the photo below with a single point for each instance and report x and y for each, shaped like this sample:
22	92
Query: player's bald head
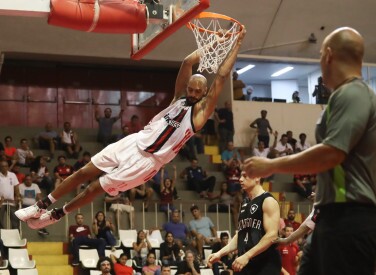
199	78
347	44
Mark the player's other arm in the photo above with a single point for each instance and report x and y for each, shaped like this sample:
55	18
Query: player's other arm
271	216
184	74
207	104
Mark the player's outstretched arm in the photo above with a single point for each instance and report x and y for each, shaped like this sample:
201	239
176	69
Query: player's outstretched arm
296	235
208	103
230	247
185	73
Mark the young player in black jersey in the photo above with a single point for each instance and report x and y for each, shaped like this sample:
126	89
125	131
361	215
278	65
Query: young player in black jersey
258	225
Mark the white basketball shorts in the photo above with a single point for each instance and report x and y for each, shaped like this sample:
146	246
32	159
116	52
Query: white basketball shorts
125	165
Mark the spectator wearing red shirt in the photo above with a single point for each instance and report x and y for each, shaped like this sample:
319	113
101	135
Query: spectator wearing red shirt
20	176
10	152
80	234
289	254
290	221
62	171
303	184
120	266
233	174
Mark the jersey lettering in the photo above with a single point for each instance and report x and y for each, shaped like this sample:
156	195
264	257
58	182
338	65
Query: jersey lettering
246	238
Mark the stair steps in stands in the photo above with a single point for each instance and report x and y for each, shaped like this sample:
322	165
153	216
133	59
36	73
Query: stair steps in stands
50	257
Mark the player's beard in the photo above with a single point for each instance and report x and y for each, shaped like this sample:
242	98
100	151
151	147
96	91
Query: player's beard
191	101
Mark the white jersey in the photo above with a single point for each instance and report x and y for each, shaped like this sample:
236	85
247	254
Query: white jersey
168	131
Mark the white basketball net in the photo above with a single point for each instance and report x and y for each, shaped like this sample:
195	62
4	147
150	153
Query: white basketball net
213	47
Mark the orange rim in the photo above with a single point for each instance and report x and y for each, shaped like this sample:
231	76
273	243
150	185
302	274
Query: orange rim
206	14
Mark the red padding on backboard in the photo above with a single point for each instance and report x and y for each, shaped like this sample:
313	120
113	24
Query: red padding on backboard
203	5
126	16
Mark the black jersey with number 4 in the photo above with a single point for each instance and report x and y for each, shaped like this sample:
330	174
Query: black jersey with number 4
250	225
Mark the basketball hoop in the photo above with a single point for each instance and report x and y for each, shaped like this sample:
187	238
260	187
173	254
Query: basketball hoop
215	35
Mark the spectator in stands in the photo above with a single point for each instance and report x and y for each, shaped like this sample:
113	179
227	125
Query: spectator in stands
17	171
303	184
80	234
151	268
289	254
9	195
10	152
124	132
225	202
203	229
119	204
225	120
230	154
295	97
40	174
178	229
24	155
141	248
62	170
321	92
260	150
283	148
120	265
103	228
105	124
165	270
290	140
189	266
30	194
197	140
49	139
302	144
143	192
290	221
169	250
159	177
232	174
105	265
167	193
134	125
86	156
226	261
237	87
198	180
262	125
69	141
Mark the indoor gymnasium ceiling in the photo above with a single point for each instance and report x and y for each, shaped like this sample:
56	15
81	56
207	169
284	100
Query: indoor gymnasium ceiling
274	28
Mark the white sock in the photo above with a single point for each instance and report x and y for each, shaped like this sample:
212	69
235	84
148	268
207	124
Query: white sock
65	210
52	199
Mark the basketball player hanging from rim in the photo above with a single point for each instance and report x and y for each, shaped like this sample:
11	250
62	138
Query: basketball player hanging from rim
258	225
135	159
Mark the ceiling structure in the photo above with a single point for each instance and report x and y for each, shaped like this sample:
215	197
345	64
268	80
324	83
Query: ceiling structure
274	28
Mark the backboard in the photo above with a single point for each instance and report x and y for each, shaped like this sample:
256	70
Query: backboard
177	14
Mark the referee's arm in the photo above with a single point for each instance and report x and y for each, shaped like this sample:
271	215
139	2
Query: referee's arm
271	217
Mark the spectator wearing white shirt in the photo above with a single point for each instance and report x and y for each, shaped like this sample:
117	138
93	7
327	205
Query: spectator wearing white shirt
283	148
260	150
30	193
9	195
302	144
24	154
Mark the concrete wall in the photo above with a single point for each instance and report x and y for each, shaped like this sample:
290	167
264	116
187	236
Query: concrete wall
282	117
